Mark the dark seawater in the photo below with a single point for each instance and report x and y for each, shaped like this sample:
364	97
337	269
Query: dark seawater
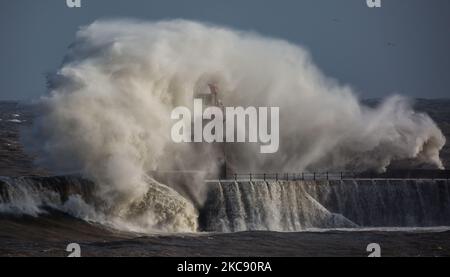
322	218
49	236
246	219
13	159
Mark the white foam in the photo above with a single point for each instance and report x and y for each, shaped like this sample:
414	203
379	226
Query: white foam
108	111
15	121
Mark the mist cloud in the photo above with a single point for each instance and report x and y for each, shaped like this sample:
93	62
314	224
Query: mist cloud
108	111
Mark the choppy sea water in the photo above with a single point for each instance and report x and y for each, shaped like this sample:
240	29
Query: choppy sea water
50	235
239	219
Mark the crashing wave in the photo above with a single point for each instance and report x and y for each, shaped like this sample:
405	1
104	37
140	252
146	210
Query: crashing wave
160	209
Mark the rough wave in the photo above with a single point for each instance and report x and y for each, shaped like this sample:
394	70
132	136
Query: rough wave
160	209
285	206
302	205
107	115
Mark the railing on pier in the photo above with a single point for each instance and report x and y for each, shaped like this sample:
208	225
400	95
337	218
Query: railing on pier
344	175
293	176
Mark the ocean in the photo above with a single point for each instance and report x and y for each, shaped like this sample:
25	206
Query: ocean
40	214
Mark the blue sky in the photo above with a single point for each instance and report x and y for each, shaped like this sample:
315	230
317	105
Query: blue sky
399	48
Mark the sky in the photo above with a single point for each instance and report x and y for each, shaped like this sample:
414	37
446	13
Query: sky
400	48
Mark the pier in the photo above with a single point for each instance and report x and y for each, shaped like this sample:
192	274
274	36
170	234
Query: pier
334	176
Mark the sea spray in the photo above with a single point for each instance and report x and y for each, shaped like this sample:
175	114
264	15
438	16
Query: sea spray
160	208
241	206
107	115
302	205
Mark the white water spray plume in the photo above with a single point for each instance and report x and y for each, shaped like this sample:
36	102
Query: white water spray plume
108	112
